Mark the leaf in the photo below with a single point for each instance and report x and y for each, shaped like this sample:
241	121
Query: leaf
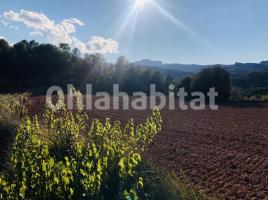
71	191
140	182
45	151
56	180
66	180
22	190
121	164
44	167
67	162
51	162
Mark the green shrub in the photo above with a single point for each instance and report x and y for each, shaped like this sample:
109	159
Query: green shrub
264	98
236	95
252	99
62	157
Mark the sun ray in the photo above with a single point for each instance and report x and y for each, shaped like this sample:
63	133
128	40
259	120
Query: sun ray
132	32
127	29
125	23
175	21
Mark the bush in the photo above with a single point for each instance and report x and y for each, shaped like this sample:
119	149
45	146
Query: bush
10	110
264	98
64	158
236	95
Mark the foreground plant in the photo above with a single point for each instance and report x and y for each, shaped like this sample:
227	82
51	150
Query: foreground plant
62	157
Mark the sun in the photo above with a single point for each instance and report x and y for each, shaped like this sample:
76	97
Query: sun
140	4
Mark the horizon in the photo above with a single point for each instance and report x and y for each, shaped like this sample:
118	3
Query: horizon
185	32
163	63
166	63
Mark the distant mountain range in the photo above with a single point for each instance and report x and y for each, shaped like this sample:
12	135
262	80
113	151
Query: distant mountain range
180	70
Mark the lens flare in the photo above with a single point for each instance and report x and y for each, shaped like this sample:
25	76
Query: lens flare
140	4
129	21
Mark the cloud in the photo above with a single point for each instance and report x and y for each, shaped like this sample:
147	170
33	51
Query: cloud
55	33
97	45
34	33
74	21
13	27
101	45
1	37
61	32
4	22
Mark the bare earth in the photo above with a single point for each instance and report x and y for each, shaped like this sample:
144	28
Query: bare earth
224	152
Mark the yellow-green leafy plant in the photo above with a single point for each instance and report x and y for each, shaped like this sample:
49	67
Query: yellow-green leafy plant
62	156
10	112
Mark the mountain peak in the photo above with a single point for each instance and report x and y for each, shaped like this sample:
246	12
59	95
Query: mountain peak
149	63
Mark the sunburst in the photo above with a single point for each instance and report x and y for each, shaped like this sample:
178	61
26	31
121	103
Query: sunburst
140	4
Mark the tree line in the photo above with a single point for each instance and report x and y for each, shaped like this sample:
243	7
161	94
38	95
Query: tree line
252	85
28	65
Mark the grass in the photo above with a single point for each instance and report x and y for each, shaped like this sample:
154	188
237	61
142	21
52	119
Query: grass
160	184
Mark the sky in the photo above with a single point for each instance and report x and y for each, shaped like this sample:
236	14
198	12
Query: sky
171	31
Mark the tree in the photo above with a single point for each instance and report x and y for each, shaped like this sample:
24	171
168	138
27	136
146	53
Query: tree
213	77
76	52
168	80
21	48
158	79
4	46
121	61
33	44
65	47
185	83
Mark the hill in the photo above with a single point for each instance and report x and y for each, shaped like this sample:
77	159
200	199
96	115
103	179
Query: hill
195	68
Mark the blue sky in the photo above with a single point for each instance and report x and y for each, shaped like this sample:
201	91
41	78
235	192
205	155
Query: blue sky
182	31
